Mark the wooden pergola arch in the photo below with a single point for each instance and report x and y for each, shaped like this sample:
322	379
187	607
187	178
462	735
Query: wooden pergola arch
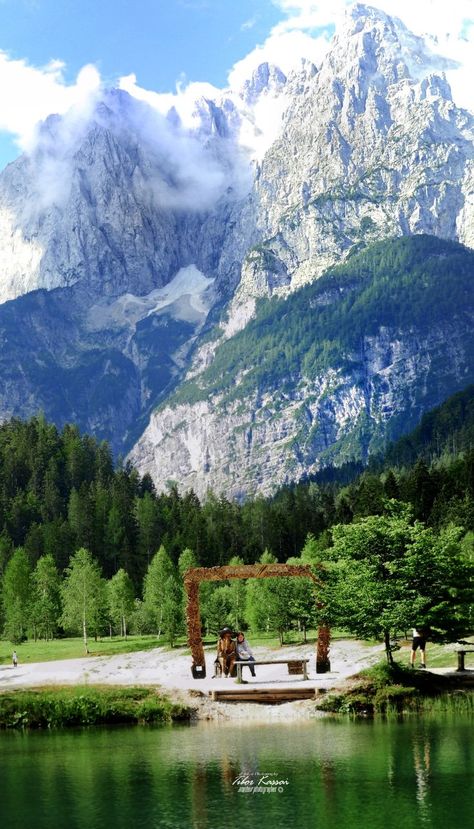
195	575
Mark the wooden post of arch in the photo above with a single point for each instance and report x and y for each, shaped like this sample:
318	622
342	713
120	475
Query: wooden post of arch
195	575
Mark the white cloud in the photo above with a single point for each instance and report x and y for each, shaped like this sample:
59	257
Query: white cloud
183	100
449	25
29	94
286	49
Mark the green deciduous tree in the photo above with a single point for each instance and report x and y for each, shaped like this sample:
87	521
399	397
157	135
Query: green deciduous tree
83	594
238	592
121	600
301	599
268	601
387	574
159	571
141	621
217	609
172	609
186	560
16	595
46	598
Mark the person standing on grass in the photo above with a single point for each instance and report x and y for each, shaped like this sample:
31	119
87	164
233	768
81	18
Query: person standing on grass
244	653
418	641
14	659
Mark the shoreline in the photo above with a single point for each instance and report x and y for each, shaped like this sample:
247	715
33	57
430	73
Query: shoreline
78	706
166	677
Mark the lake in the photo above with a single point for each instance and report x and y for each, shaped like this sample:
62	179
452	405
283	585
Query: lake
325	774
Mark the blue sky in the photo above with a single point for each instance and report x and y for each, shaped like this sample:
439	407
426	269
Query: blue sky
45	45
160	41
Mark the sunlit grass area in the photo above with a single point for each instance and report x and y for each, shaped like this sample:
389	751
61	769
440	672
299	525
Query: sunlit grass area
73	648
437	656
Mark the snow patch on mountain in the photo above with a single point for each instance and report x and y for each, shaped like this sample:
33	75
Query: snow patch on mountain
188	297
20	259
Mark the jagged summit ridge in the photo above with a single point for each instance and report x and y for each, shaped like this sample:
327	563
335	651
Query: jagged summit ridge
123	188
374	147
265	79
248	192
386	39
106	203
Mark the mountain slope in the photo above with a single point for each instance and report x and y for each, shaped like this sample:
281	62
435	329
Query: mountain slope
448	428
373	146
327	375
127	230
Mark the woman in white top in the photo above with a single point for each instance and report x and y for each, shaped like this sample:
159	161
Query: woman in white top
244	652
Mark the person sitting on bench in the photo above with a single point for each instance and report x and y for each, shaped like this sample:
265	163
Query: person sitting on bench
226	651
244	654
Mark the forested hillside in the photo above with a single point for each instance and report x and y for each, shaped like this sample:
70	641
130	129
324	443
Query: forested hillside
412	282
331	374
61	490
66	509
446	430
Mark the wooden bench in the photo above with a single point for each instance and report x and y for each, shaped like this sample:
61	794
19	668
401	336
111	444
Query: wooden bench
295	666
461	656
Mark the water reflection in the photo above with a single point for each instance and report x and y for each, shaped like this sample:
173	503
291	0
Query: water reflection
340	774
421	762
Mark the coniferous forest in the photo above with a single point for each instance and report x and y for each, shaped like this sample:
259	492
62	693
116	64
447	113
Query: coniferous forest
68	511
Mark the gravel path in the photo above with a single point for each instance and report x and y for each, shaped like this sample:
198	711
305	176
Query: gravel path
170	670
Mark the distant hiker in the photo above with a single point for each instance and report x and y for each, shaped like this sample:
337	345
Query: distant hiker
226	651
419	641
244	653
14	659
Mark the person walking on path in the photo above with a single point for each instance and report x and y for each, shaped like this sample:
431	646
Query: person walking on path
418	641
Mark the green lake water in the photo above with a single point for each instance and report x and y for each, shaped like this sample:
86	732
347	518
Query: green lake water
332	774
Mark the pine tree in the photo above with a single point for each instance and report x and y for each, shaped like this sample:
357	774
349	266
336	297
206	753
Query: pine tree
148	523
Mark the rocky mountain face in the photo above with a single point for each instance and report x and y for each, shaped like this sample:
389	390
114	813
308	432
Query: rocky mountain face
329	375
110	233
128	233
372	147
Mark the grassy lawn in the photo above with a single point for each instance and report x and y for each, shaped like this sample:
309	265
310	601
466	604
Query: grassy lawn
291	637
437	656
73	648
